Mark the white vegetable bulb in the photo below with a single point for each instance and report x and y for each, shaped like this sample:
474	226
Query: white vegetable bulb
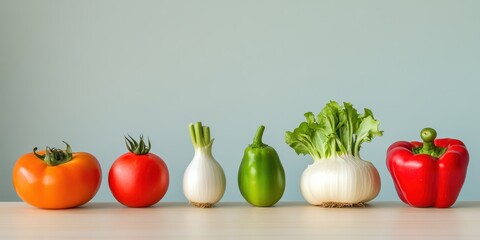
338	177
340	181
204	180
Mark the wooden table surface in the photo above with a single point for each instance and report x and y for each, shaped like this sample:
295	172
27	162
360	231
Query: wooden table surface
287	220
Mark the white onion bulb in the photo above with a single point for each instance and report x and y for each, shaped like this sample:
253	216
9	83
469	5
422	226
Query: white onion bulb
342	180
204	180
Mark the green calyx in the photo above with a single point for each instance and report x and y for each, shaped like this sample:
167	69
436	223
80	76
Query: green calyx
55	156
428	136
137	148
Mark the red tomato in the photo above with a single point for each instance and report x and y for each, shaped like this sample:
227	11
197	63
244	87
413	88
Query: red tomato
138	179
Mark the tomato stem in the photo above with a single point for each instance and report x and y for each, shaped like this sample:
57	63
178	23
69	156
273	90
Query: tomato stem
55	156
137	148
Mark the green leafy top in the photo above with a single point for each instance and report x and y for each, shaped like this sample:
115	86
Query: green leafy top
336	131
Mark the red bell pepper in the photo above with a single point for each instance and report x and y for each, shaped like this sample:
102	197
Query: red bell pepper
428	174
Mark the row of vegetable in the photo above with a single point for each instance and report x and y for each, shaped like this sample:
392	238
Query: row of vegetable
425	174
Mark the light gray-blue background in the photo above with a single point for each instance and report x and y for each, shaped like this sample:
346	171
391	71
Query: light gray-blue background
90	72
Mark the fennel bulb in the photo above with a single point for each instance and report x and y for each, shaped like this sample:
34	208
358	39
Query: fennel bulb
204	180
338	176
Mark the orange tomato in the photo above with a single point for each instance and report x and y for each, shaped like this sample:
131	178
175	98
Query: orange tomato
66	185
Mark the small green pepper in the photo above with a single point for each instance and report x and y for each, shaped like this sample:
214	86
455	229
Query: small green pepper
261	177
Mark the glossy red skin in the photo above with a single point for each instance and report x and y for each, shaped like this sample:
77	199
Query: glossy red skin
424	181
138	180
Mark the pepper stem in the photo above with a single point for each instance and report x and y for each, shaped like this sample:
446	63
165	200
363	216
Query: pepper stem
55	156
428	136
257	140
